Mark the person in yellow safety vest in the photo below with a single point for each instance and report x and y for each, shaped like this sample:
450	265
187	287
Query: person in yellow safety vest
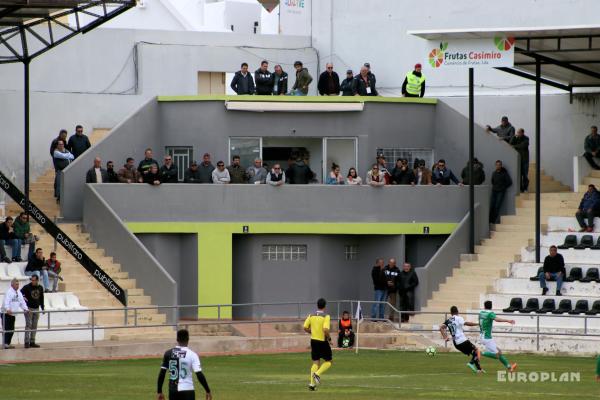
414	83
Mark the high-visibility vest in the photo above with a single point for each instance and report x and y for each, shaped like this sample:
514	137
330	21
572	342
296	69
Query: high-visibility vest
414	83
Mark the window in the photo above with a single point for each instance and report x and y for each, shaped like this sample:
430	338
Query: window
182	158
392	154
284	252
351	252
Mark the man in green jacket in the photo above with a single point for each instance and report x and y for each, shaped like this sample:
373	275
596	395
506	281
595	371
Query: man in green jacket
23	233
303	79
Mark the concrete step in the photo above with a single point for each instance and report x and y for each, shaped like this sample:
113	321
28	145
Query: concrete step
508	242
495	265
568	196
496	249
497	257
546	212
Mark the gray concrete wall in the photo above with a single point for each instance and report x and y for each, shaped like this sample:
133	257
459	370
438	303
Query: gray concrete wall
420	248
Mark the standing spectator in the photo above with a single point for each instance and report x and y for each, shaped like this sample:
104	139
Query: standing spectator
520	143
35	265
381	161
374	177
352	178
78	143
96	174
554	268
168	172
589	208
256	173
300	173
62	159
591	146
414	83
276	177
264	79
422	173
303	79
62	135
153	176
52	270
23	233
280	81
206	169
192	175
242	82
380	288
345	332
220	174
146	163
370	73
128	174
13	303
408	283
335	178
442	175
33	294
500	183
364	84
392	274
402	174
478	173
347	84
236	171
504	131
110	173
329	82
7	236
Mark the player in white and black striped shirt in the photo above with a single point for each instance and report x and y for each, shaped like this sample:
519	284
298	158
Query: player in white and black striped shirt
455	325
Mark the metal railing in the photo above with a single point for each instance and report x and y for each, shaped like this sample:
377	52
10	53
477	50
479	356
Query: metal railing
260	314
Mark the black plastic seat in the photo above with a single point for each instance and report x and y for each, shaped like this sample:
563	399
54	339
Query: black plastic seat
591	275
548	306
516	303
531	306
570	242
563	307
595	310
597	245
586	242
581	307
575	275
537	276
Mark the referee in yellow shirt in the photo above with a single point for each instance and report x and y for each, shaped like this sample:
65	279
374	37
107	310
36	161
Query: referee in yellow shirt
318	325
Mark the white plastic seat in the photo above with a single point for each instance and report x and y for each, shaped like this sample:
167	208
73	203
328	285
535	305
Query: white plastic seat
72	302
4	271
56	301
14	271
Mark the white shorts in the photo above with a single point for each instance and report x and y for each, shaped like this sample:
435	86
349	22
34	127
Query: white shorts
490	345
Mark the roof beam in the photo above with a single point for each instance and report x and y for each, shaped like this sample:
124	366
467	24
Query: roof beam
532	77
564	64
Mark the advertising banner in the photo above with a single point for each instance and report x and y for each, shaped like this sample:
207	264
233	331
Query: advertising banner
294	17
471	53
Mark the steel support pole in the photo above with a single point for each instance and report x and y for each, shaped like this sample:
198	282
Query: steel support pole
538	189
26	130
471	156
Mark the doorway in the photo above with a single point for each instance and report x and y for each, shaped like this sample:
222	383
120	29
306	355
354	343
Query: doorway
343	152
211	83
277	150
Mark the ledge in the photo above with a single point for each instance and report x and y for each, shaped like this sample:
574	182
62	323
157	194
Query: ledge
301	99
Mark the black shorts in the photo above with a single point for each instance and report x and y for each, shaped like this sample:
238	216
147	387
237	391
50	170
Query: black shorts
320	350
465	347
183	395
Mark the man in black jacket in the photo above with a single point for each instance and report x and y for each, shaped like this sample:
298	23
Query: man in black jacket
299	173
192	175
168	172
7	237
33	293
280	81
380	287
441	175
402	174
242	82
263	79
146	163
392	274
96	174
520	143
78	143
478	173
500	182
329	82
408	282
110	172
364	84
347	84
554	268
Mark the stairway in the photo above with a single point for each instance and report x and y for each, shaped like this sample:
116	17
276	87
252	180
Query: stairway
549	184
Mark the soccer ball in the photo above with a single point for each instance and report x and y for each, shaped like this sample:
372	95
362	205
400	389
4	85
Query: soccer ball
430	351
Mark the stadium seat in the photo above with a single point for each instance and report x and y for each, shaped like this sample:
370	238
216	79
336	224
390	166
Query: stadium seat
548	306
581	307
570	242
587	242
4	272
531	306
563	307
57	302
14	271
516	303
595	310
591	275
537	276
597	245
575	275
72	302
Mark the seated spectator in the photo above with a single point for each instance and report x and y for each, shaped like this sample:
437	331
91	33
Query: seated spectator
374	177
206	169
96	174
36	264
276	177
478	173
7	237
168	172
220	175
299	173
110	173
62	159
144	165
128	174
589	207
345	332
242	82
554	268
402	174
352	178
501	181
383	168
591	146
364	84
422	173
280	81
52	270
347	84
335	178
504	131
153	176
329	82
303	80
192	175
236	171
442	175
256	173
78	143
23	233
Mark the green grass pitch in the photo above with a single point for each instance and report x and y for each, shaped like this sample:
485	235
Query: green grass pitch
369	375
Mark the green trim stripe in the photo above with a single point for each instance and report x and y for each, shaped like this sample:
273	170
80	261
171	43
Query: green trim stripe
301	99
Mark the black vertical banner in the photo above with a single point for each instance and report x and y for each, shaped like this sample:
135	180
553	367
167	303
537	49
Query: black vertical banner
54	231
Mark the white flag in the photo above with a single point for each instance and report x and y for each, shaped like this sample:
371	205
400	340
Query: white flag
359	315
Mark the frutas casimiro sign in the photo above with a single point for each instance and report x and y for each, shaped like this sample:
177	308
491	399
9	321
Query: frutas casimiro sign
471	53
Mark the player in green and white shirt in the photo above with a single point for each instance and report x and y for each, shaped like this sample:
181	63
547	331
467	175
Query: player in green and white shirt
486	322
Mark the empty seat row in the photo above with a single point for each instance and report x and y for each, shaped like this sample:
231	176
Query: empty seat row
586	242
549	306
576	274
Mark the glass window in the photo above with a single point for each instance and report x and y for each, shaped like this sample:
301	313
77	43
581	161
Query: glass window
351	252
182	158
284	252
247	148
393	153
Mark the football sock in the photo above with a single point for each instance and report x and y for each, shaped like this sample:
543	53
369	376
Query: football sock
489	354
324	367
504	361
475	360
313	369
